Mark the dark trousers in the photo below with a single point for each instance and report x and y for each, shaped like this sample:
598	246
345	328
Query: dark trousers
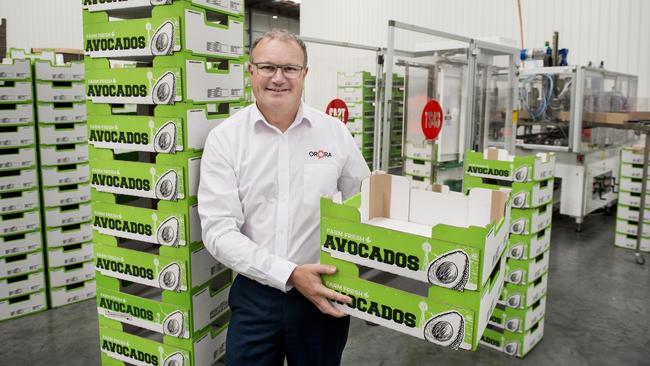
268	325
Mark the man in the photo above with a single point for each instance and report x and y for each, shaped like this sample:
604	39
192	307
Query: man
262	175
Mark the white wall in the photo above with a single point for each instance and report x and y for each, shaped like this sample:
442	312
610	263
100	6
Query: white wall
615	31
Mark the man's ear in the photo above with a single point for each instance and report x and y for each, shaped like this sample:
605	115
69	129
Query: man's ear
249	66
306	69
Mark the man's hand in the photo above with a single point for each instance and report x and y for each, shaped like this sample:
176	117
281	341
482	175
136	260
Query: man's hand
306	279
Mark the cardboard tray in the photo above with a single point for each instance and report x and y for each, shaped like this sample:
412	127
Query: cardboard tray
54	176
18	136
48	71
11	245
513	344
528	246
52	134
16	92
49	91
629	242
19	222
70	274
518	320
68	234
21	285
18	201
498	164
22	305
528	221
70	294
18	180
55	113
15	69
523	296
524	194
64	154
526	271
235	7
18	114
22	263
66	195
18	158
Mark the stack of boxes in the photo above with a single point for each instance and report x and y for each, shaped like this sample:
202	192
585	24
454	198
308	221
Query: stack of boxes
440	253
517	323
22	279
629	201
358	91
159	78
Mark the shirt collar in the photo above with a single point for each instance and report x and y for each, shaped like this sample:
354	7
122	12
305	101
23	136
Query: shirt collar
303	115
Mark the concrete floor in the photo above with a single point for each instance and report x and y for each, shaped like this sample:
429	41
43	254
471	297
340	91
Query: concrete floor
598	313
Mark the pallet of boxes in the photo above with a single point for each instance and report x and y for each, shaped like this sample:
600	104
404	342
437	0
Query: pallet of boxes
629	201
441	255
158	79
517	323
22	277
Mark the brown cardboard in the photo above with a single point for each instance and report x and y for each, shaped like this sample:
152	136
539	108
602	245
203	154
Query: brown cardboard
493	153
498	205
380	185
437	187
606	117
639	116
563	115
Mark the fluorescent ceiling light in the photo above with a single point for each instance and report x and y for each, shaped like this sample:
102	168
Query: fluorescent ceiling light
275	17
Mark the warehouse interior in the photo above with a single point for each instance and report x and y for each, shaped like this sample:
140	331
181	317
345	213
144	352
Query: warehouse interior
509	141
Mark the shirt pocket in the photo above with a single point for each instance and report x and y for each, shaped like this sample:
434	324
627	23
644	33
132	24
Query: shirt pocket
318	180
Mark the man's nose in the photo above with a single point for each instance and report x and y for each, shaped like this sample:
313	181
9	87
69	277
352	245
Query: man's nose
278	77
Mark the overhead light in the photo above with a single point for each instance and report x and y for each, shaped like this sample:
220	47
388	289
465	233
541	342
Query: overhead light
275	17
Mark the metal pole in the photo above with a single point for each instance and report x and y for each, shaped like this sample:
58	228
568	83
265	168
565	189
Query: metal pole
644	191
388	97
510	131
376	157
469	107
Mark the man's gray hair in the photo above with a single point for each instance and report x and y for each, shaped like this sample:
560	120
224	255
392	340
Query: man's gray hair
283	35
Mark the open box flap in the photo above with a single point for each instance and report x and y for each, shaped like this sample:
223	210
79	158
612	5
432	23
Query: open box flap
384	195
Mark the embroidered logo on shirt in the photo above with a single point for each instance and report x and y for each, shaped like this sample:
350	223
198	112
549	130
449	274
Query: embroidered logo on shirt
320	154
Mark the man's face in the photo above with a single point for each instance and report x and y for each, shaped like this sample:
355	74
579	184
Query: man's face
277	91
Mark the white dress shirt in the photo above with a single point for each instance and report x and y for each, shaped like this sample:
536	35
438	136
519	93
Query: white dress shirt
260	190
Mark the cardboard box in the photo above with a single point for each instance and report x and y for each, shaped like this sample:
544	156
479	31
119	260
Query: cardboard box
20	53
67	215
171	177
48	71
70	254
629	242
417	167
174	28
69	234
64	154
18	201
13	69
17	136
360	125
354	79
523	296
392	228
11	245
73	273
524	194
422	151
632	171
526	271
171	129
606	117
22	305
16	223
54	134
54	176
47	91
518	320
22	263
172	79
632	154
18	180
630	184
356	95
513	344
528	246
639	116
417	182
631	198
66	195
631	213
17	114
361	112
528	221
181	315
21	285
49	113
19	158
235	7
61	296
631	227
498	164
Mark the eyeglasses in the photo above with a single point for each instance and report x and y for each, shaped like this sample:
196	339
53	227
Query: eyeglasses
268	70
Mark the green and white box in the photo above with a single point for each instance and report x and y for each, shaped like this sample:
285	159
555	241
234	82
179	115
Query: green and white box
174	28
17	158
632	227
53	176
518	320
20	53
73	273
17	114
528	246
235	7
630	184
354	79
632	170
67	215
22	305
395	229
17	136
418	182
69	234
632	213
16	92
631	199
629	242
526	271
21	285
47	71
171	177
528	221
356	95
171	129
361	111
498	164
21	263
50	113
66	195
417	167
20	243
49	91
524	194
632	154
69	254
524	296
18	180
64	154
15	69
61	296
360	125
54	134
20	222
513	344
172	79
421	151
174	314
18	201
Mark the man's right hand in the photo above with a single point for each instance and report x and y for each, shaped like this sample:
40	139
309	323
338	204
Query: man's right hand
306	279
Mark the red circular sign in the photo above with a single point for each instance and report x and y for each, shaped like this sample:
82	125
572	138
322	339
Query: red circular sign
432	119
337	108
